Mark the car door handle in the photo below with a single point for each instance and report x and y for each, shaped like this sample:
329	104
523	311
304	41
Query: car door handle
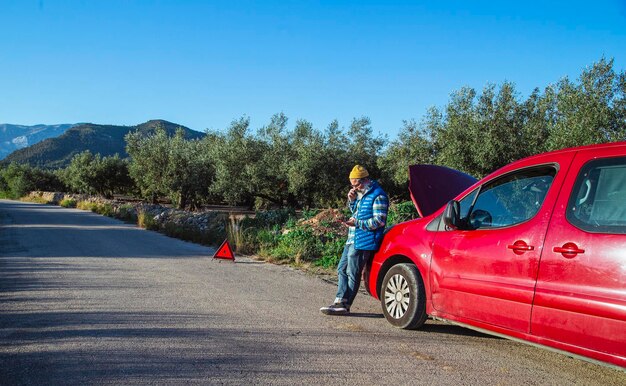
520	247
568	250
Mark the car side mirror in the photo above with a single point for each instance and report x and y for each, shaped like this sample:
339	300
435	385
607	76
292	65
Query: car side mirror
452	215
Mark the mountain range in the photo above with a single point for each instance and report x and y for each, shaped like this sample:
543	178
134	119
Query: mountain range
15	137
106	140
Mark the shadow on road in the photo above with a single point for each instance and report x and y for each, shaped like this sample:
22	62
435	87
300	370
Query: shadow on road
79	347
452	329
17	275
365	315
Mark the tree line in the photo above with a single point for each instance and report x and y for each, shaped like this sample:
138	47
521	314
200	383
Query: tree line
303	166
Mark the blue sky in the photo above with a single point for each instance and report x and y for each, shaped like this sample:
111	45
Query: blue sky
204	63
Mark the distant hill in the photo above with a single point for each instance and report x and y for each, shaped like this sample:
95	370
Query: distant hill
106	140
15	137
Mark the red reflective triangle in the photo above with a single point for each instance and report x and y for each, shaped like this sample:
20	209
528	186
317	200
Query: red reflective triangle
224	252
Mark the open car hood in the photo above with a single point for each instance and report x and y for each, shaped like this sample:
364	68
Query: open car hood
432	186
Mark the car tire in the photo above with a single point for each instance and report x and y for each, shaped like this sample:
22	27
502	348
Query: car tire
402	297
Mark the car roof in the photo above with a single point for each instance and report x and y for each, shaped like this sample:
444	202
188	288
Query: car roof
530	159
577	148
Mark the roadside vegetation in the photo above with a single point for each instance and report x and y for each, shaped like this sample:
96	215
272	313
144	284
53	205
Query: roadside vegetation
286	173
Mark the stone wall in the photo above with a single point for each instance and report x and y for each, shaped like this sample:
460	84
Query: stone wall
200	221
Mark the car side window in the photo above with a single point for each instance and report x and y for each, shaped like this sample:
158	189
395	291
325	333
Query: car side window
598	200
509	200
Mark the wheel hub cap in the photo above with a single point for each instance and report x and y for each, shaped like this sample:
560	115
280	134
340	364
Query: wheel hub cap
397	297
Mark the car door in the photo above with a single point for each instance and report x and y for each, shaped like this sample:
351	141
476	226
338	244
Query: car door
487	271
581	288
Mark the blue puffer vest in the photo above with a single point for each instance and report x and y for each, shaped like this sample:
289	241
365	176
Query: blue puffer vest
366	240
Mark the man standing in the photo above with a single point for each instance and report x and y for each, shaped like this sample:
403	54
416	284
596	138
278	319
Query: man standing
368	204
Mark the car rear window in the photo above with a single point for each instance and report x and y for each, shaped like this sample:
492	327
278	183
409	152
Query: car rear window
598	200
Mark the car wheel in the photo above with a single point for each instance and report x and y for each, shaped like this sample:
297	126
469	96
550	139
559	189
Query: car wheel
402	297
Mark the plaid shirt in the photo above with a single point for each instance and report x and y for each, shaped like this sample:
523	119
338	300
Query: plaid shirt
378	220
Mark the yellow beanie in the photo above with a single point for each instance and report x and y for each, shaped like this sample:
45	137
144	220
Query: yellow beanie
358	171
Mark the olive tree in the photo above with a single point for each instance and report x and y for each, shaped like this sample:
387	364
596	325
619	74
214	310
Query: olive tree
592	110
234	155
149	162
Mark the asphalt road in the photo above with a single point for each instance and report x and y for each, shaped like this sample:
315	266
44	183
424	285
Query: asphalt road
86	299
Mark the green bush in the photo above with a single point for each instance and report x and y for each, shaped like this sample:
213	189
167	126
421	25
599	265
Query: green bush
267	239
308	213
331	252
68	203
104	209
297	246
16	181
146	220
277	236
85	205
260	233
126	213
96	207
246	236
400	212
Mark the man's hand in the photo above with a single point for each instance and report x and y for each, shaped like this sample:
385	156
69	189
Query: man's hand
352	194
349	223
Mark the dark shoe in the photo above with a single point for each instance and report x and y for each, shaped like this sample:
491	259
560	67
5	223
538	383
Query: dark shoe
335	309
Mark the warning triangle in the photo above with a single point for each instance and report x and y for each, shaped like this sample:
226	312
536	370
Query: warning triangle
224	252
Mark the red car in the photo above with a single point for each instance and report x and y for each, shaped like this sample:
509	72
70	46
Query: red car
535	251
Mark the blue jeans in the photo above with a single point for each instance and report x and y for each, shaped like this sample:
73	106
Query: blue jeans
349	273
